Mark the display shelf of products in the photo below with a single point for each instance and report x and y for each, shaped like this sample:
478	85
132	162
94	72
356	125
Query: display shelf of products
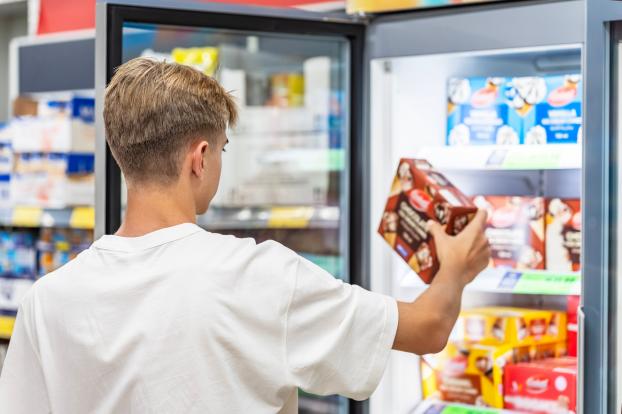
495	157
29	216
433	406
528	282
297	217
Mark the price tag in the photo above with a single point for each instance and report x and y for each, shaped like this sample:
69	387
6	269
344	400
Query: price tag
457	409
27	216
6	326
544	158
290	217
548	284
82	218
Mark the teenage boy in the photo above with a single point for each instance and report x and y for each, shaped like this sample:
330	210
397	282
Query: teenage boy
164	317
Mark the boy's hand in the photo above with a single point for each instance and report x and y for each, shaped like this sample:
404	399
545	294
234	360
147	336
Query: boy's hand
464	256
425	324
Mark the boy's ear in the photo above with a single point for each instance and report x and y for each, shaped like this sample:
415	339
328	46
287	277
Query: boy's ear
198	158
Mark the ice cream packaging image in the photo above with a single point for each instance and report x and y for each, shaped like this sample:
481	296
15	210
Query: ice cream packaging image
518	326
515	230
474	373
544	387
420	193
563	235
550	107
478	113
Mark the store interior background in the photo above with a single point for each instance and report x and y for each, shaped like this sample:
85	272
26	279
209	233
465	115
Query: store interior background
51	229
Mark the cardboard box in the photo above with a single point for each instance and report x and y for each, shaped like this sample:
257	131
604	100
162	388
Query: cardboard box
515	230
573	324
545	387
517	326
478	113
418	194
474	373
550	107
563	235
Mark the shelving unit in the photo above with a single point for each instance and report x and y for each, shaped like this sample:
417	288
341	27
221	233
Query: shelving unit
297	217
28	216
441	407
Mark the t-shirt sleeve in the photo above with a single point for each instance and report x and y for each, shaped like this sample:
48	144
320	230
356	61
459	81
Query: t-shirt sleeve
22	387
338	336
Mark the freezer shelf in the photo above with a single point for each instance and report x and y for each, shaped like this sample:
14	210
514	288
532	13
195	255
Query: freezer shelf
296	217
72	217
441	407
530	282
494	157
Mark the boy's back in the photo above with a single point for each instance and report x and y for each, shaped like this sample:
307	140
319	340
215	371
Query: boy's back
182	320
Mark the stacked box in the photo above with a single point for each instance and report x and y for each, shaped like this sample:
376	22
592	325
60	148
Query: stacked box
515	230
478	113
56	247
563	235
573	327
418	194
546	387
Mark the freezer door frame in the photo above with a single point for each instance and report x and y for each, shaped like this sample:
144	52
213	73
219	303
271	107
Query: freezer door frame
601	369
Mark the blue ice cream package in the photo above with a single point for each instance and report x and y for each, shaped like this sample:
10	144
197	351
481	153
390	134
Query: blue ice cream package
550	108
478	113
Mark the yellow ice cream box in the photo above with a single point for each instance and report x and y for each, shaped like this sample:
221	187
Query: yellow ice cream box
502	325
473	373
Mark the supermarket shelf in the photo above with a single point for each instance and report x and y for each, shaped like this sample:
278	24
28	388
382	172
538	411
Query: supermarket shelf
442	407
301	217
72	217
529	282
493	157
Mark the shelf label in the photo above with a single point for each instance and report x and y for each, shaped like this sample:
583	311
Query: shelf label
27	216
6	326
548	284
290	217
532	160
82	218
457	409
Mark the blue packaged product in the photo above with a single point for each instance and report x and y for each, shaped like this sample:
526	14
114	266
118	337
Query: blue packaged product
478	113
550	106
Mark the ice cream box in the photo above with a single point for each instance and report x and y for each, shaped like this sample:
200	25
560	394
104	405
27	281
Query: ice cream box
572	326
478	113
549	106
501	325
418	194
563	235
515	230
544	387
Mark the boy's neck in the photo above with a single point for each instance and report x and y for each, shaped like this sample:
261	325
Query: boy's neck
153	208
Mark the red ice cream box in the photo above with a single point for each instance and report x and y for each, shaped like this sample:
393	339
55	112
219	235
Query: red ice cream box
545	387
420	193
573	324
563	235
515	230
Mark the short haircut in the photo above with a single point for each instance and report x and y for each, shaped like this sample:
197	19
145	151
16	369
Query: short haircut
153	112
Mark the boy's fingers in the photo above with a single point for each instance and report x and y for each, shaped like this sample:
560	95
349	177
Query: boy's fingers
435	229
478	223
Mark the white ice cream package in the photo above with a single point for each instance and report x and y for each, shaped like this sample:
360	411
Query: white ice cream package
478	113
549	106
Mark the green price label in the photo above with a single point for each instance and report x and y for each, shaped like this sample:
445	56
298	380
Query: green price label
548	284
527	161
455	409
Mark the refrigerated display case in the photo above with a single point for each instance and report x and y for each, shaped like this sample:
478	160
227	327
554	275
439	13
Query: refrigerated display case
388	94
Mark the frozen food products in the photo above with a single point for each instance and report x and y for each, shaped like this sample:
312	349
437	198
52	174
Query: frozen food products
563	235
203	59
418	194
501	325
478	113
473	373
572	326
544	387
287	89
550	107
515	230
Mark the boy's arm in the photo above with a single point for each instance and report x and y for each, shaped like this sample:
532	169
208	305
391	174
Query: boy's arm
425	324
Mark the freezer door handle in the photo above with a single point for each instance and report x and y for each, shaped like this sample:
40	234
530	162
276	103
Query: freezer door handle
580	353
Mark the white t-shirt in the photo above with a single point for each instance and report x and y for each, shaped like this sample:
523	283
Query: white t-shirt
186	321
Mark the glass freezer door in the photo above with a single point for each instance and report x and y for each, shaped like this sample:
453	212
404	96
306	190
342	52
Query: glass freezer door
286	172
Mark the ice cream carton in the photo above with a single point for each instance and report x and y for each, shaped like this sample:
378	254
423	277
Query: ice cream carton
515	230
478	113
501	325
563	235
573	323
418	194
549	106
545	387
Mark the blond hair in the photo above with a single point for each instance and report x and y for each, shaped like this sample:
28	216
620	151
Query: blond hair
154	110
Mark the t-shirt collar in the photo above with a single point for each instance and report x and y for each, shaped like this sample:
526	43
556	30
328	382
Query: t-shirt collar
146	241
